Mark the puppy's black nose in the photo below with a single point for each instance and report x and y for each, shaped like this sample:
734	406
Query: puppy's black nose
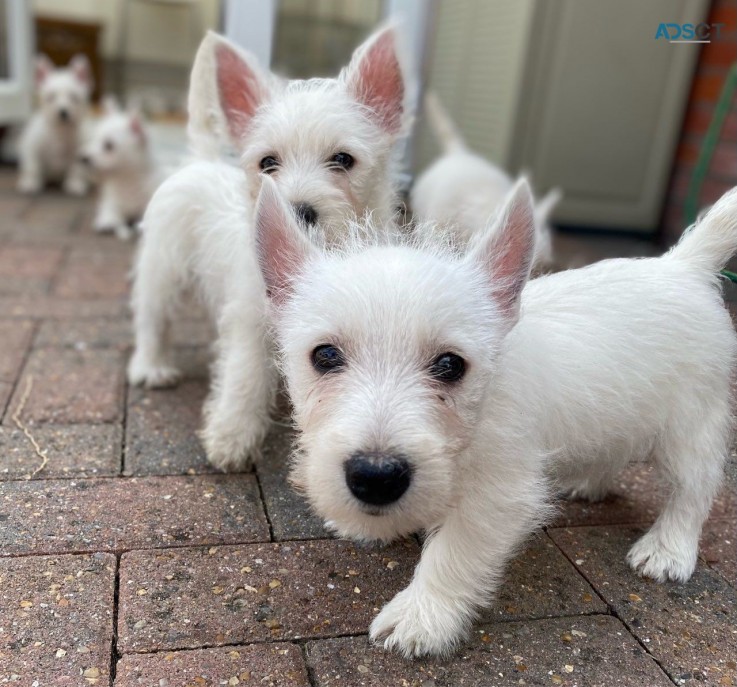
306	213
85	159
64	115
377	478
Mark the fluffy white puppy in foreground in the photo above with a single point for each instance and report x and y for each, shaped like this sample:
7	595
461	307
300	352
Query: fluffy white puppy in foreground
51	141
119	156
461	192
327	144
433	393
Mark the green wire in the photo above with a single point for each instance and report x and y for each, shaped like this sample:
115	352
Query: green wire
691	206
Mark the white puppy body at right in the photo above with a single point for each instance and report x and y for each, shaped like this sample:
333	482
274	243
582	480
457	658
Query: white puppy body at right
461	192
328	144
50	143
563	383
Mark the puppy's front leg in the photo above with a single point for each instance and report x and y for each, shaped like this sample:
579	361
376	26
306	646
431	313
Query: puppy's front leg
76	181
461	568
31	178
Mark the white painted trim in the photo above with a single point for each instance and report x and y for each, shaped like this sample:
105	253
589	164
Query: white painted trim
250	24
16	92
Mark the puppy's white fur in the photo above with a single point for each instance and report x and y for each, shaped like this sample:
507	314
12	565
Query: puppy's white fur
119	156
461	192
569	380
198	229
50	142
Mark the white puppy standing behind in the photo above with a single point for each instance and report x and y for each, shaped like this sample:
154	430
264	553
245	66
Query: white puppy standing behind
461	192
119	155
433	393
51	141
328	144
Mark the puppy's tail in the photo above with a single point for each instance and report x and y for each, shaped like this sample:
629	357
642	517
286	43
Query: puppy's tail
712	241
442	125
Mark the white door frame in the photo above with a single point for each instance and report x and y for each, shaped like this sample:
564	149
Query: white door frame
16	91
250	24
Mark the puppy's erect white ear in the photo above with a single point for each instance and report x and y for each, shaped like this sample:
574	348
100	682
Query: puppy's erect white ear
226	88
43	67
546	205
281	246
136	125
80	66
507	250
374	77
110	105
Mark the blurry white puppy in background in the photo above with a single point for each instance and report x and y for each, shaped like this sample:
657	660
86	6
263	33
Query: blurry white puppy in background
461	192
433	393
50	143
120	159
328	144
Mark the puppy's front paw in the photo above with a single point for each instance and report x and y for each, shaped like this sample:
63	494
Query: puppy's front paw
652	557
124	232
29	185
152	376
75	186
417	624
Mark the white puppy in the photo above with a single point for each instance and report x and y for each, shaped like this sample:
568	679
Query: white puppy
119	156
327	144
433	394
461	192
50	142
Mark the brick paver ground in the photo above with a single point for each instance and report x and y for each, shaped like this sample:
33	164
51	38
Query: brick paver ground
128	561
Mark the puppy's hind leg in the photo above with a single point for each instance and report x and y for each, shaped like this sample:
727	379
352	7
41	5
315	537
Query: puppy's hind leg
237	412
690	454
158	282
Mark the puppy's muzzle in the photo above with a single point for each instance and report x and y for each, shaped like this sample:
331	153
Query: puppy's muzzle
377	479
306	213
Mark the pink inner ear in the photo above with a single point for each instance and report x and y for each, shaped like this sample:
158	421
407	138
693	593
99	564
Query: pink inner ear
511	256
137	128
380	85
239	89
43	67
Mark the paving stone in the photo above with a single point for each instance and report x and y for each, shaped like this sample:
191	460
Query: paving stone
69	386
719	548
185	598
289	513
542	583
591	650
638	497
6	388
691	628
161	431
50	221
270	665
50	516
11	209
60	309
114	333
72	451
15	339
29	261
56	625
94	275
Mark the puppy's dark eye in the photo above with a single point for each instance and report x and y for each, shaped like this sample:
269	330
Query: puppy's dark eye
109	146
448	367
327	358
342	160
268	164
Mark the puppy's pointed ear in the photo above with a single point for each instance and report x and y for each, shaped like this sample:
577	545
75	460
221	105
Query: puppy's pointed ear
136	125
229	78
374	78
110	105
281	246
43	67
80	66
507	250
546	205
